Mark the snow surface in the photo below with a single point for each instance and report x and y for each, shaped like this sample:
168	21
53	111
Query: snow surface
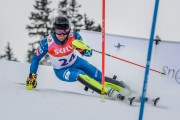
57	100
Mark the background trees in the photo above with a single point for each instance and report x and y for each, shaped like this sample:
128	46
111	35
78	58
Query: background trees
39	27
8	55
41	24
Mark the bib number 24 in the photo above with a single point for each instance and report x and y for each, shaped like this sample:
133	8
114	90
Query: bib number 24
67	61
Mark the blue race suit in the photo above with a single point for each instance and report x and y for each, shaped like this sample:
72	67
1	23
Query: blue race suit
67	65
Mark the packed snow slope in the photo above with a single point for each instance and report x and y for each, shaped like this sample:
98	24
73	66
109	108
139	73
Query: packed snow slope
57	100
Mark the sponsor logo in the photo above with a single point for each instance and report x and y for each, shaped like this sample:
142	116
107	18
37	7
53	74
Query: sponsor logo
66	75
63	50
172	73
40	50
37	53
96	73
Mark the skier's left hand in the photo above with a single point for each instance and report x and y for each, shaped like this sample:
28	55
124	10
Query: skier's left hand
87	53
82	48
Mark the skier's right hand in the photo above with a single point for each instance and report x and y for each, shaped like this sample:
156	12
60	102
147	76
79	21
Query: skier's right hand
31	82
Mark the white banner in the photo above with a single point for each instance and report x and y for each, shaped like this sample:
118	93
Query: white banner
165	57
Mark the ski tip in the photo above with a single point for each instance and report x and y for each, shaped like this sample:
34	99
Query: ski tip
131	100
156	101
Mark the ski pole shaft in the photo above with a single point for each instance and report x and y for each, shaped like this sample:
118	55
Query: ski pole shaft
145	84
128	62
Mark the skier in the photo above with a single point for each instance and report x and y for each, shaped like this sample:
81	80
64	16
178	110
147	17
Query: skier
61	46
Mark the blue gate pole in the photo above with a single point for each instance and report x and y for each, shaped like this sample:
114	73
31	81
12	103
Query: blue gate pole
148	60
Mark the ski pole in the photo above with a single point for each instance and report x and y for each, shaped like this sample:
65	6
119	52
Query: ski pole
103	49
144	89
128	61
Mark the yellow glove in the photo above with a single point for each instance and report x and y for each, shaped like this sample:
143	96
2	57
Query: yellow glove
31	81
82	48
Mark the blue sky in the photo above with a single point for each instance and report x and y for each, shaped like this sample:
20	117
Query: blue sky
123	17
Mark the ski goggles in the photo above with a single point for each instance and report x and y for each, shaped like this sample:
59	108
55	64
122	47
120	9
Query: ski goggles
62	32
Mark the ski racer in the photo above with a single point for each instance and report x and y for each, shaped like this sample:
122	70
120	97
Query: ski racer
61	47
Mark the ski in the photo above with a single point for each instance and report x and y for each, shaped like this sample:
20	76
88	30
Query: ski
129	100
132	101
153	102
